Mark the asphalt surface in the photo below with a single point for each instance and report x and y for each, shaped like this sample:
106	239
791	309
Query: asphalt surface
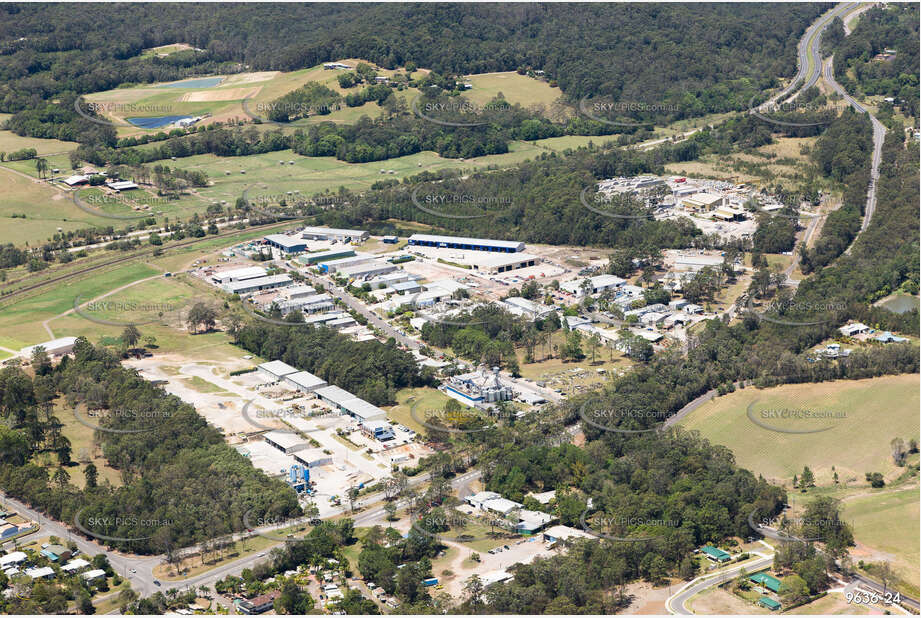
359	307
676	604
879	136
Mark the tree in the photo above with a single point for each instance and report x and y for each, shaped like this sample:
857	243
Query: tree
131	335
201	315
474	588
899	452
41	166
391	509
91	474
807	479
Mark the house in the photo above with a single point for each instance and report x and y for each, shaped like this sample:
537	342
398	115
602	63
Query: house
554	534
715	554
258	605
530	522
73	181
476	500
545	497
769	603
122	185
75	566
55	552
55	347
888	337
40	572
857	328
766	581
12	559
692	309
502	506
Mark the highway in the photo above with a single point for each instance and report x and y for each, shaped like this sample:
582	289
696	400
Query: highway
879	136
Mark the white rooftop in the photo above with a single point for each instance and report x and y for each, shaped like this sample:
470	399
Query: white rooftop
306	379
278	368
508	244
50	346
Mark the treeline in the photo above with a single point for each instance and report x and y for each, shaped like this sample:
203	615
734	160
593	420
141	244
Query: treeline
368	369
539	201
857	69
695	58
843	153
180	483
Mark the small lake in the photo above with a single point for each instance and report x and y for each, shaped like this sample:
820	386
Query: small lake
900	303
201	82
155	122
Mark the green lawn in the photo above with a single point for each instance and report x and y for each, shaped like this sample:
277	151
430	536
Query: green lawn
888	405
424	398
888	522
516	89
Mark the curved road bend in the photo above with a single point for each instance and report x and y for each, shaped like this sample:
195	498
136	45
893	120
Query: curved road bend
676	604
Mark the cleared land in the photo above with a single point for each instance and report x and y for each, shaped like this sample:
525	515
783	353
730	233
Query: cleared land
888	406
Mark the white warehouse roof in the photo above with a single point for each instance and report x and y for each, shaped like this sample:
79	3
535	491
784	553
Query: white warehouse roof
277	368
464	240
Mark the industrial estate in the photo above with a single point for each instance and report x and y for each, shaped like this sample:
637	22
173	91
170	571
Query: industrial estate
347	331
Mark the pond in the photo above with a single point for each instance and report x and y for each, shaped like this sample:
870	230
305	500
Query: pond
201	82
899	303
155	122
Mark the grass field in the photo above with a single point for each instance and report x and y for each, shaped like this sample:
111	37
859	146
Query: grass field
889	405
423	398
888	523
84	447
10	142
45	210
516	88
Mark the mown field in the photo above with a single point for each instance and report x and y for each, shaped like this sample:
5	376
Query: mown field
875	411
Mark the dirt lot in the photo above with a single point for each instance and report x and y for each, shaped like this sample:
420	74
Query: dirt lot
225	94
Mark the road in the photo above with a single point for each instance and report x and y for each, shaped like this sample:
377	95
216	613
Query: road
358	306
808	70
879	136
676	603
142	578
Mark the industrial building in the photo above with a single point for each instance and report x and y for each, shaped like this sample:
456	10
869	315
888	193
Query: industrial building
527	308
55	347
596	285
288	244
478	387
304	381
275	370
313	457
703	202
697	262
335	265
495	264
311	259
285	441
238	274
379	430
348	403
370	269
330	233
255	285
308	304
460	242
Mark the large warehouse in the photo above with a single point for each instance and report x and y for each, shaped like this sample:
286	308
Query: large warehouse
495	264
334	265
325	256
460	242
331	233
255	285
288	244
239	274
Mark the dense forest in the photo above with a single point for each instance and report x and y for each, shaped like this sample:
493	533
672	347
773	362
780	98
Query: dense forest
861	67
368	369
179	481
686	60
